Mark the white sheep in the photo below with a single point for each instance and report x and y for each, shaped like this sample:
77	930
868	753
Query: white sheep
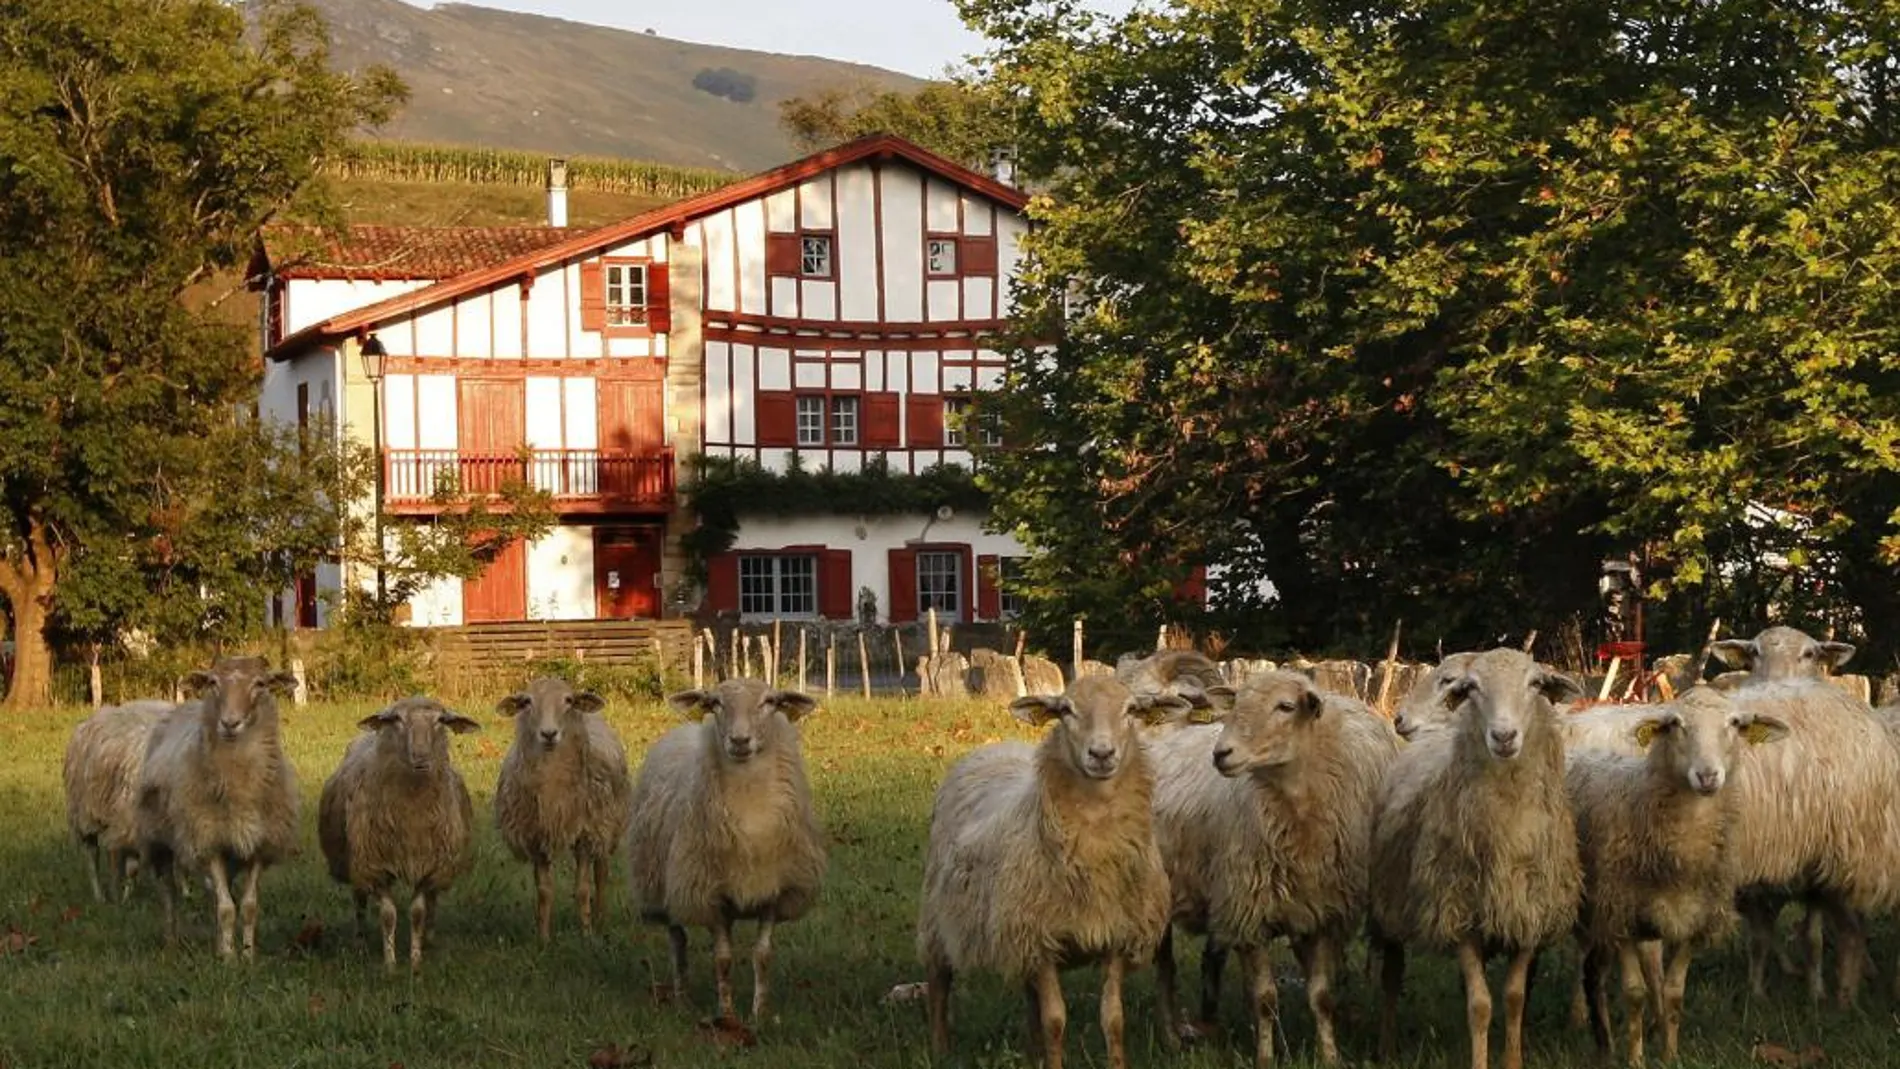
217	792
723	828
1264	823
1474	845
1044	857
563	789
396	811
101	774
1658	835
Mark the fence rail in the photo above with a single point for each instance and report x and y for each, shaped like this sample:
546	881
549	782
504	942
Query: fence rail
618	642
413	476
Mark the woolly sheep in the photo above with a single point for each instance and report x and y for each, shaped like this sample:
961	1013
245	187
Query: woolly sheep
101	774
1657	834
1474	845
1044	857
396	811
723	828
563	788
1264	823
217	791
1184	672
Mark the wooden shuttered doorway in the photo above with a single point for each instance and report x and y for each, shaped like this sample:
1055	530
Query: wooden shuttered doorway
501	591
491	418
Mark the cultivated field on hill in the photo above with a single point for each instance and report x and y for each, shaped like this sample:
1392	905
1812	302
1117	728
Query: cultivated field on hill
89	985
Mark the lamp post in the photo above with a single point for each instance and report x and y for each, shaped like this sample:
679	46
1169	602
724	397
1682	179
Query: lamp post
375	361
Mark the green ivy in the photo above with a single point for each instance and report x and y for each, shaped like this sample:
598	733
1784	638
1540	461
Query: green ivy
722	489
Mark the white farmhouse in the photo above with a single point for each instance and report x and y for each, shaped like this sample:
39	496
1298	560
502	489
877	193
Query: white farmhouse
836	307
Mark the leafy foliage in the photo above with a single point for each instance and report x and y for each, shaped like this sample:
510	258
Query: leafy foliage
1419	311
736	86
958	119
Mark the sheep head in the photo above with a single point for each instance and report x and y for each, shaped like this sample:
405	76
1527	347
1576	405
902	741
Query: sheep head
1699	737
746	714
238	693
1505	696
1783	653
1266	723
420	726
1424	705
1097	721
549	711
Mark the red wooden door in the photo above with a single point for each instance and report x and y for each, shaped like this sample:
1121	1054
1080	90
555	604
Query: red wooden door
632	425
492	425
501	591
626	573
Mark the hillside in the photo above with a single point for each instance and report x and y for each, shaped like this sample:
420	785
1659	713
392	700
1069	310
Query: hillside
506	80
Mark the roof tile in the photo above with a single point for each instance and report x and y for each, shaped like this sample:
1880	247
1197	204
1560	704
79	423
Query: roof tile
400	252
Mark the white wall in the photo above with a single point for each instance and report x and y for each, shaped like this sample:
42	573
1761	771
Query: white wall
870	554
437	605
311	300
561	575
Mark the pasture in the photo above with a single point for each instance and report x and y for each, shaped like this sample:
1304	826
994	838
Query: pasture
89	985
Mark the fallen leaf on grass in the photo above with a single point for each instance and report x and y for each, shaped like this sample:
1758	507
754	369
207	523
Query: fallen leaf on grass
614	1056
662	993
1782	1058
71	914
310	936
728	1032
904	993
316	1005
16	941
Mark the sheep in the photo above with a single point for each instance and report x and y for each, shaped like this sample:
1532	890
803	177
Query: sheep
1474	845
101	776
1184	672
1044	857
1658	835
563	787
723	828
396	811
217	792
1264	823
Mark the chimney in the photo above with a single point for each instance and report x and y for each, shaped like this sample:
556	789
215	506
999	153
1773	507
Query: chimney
1003	164
557	191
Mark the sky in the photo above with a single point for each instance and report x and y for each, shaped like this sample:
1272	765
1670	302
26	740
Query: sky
920	37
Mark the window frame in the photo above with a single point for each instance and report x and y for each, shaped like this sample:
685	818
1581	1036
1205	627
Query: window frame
956	256
988	435
1009	605
828	418
777	578
958	610
830	238
610	319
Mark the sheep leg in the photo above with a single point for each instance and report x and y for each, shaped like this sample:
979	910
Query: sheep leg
1112	972
1675	982
601	871
544	898
362	912
937	981
1054	1014
165	874
1635	998
1652	962
584	890
128	870
1517	985
429	898
1032	1006
227	909
418	924
1598	995
1265	999
1391	982
1317	959
387	905
676	940
1213	963
1851	949
1579	995
1477	1002
93	860
1758	915
1172	1031
761	967
248	908
722	967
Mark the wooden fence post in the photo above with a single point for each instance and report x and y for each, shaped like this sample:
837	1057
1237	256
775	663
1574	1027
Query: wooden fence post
930	650
1076	663
897	641
778	652
801	658
831	665
1161	638
699	664
864	664
1391	665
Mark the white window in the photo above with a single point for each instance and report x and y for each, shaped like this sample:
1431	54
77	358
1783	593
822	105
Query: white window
940	584
941	255
1011	603
778	586
626	294
956	412
811	420
844	420
814	255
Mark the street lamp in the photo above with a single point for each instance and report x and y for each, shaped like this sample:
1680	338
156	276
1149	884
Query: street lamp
375	362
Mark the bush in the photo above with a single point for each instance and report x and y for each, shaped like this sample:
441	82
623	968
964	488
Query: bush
736	86
636	682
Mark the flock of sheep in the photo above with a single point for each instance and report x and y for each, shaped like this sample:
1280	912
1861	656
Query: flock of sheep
1492	817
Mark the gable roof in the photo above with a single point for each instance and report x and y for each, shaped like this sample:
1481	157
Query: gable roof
877	146
384	253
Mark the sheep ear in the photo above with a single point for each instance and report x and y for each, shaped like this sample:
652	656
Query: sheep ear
1559	688
458	723
1736	652
689	702
377	720
1454	691
514	704
586	701
1651	726
199	682
282	684
1728	681
1762	729
794	705
1038	709
1154	708
1836	654
1312	702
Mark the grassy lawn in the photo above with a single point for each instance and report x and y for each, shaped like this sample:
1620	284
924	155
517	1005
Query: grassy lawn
86	985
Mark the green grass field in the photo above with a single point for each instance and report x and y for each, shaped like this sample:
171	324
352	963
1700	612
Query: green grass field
88	985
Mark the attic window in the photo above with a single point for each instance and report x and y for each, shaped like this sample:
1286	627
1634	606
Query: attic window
940	256
626	294
814	255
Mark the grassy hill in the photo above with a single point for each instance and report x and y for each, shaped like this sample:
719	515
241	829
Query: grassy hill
496	78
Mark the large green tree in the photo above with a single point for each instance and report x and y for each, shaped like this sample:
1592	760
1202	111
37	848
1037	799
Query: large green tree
1419	309
958	119
142	142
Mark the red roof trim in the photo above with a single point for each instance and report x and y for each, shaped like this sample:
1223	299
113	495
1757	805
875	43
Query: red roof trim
877	146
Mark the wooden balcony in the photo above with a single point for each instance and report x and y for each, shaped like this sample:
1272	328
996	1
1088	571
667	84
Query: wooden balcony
580	480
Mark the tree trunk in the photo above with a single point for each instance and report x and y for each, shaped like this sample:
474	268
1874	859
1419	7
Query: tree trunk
26	581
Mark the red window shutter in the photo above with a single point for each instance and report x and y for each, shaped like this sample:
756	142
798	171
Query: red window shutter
781	254
977	256
834	585
903	608
926	420
880	421
1193	589
593	296
776	418
659	300
989	591
722	582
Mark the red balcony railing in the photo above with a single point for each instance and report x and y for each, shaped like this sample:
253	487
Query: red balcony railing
412	476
